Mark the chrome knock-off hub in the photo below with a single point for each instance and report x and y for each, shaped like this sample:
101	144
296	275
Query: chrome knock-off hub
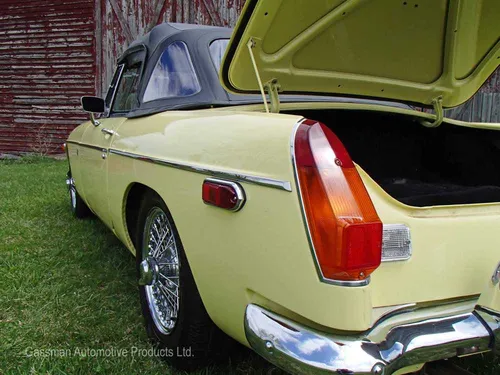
148	271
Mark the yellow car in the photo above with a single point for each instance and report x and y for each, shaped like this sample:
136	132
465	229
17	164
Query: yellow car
302	206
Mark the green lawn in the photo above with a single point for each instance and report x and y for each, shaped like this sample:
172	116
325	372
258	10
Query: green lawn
70	285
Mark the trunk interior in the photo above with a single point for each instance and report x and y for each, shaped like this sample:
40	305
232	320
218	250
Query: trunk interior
416	165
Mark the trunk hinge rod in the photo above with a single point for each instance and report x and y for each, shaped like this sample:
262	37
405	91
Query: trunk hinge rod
272	86
437	103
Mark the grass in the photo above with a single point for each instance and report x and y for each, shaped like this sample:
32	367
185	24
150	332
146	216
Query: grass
69	285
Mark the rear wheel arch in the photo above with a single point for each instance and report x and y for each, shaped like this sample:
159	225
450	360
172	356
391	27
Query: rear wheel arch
132	202
196	328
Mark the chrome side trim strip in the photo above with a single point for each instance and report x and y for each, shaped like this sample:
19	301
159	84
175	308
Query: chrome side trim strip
322	278
87	145
257	180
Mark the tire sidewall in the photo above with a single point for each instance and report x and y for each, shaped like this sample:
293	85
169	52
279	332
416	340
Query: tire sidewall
79	209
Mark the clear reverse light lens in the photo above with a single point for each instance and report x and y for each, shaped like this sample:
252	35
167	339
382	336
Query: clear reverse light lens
396	242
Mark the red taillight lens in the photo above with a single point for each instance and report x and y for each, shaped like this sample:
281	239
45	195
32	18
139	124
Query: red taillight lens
345	228
223	194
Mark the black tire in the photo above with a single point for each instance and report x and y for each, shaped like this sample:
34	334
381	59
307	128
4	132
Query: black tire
193	327
79	208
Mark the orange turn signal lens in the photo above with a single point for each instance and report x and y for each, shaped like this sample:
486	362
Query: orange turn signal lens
345	229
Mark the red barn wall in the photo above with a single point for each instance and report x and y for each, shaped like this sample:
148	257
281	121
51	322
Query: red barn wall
52	52
46	63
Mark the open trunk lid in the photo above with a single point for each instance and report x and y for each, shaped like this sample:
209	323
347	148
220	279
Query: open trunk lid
415	51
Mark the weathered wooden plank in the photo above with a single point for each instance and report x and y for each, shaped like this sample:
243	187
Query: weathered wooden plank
214	16
46	64
98	45
156	16
121	19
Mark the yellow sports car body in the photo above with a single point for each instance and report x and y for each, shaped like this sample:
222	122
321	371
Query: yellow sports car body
303	207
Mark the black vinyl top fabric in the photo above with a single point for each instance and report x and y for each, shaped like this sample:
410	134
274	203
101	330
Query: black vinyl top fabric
197	38
165	30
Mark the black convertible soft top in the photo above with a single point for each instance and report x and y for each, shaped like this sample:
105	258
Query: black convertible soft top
165	30
198	39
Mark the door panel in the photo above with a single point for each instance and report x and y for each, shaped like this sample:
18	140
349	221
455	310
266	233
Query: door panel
93	155
122	98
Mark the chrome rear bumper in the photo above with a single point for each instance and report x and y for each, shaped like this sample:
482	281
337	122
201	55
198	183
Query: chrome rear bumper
302	350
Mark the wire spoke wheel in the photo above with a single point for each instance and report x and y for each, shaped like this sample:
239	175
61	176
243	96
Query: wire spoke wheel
159	270
174	314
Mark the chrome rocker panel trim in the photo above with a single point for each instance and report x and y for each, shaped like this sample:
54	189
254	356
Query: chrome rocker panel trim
301	350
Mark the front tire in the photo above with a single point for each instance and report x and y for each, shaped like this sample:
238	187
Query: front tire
174	314
78	207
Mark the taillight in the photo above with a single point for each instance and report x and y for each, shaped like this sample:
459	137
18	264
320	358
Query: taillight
345	229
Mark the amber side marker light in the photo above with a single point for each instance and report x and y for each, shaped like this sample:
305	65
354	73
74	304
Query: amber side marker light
345	229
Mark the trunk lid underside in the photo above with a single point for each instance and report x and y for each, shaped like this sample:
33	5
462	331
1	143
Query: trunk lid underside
409	51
